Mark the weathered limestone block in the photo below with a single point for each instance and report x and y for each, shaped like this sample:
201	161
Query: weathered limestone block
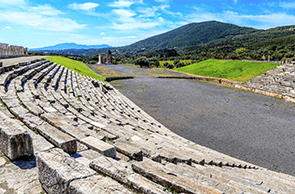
58	138
158	173
97	184
57	170
100	146
122	172
15	142
133	152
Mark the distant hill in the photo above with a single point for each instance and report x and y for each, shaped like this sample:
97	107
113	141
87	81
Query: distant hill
65	46
194	36
190	34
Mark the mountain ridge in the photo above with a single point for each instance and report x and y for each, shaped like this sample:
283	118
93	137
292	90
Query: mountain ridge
72	45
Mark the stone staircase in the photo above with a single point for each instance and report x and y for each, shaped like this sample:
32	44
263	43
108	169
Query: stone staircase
89	138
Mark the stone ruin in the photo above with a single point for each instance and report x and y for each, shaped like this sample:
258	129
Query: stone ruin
8	50
89	138
104	58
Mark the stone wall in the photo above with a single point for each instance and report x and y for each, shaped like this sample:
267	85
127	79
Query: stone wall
8	50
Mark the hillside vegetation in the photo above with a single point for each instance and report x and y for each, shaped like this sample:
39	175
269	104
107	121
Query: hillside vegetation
76	66
202	41
234	70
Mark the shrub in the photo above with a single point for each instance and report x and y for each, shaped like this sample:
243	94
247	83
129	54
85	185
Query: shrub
165	64
142	62
154	62
218	56
170	66
233	56
175	62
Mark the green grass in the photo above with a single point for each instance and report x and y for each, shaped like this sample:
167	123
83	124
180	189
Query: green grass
234	70
76	66
171	62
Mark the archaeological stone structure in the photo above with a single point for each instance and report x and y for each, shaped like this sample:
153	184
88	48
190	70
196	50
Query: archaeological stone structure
81	135
12	50
104	58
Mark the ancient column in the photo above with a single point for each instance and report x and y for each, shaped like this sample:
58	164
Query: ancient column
99	59
26	50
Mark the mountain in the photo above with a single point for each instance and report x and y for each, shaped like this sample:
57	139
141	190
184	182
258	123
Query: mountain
210	34
191	34
65	46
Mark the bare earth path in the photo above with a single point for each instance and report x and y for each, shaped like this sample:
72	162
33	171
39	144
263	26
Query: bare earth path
248	126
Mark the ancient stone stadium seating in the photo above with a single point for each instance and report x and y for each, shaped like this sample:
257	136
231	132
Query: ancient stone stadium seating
89	138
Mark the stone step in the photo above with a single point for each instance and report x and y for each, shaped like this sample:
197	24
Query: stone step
58	138
122	172
158	173
15	141
57	170
100	146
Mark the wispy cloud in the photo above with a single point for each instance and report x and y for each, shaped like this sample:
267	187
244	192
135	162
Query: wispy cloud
235	1
287	5
42	17
162	1
84	6
121	3
7	27
11	2
46	10
39	21
261	21
120	38
164	9
126	20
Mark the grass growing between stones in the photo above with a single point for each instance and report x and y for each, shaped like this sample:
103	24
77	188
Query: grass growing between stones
234	70
76	66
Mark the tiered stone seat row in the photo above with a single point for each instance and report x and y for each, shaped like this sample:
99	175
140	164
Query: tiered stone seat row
89	138
279	80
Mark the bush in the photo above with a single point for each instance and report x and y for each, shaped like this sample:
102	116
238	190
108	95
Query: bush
154	62
142	62
181	64
165	64
92	62
233	56
170	66
175	62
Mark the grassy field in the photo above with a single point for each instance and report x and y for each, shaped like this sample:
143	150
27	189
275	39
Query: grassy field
171	62
76	66
234	70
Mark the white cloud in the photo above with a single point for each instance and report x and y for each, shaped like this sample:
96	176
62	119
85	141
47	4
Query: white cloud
102	33
163	8
124	15
39	21
84	6
120	38
121	3
126	20
148	11
287	5
44	10
162	1
235	1
42	17
11	2
7	27
262	21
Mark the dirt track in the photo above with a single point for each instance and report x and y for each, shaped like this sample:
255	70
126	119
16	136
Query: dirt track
249	126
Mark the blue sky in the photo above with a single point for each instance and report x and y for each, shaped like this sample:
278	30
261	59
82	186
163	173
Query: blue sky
38	23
